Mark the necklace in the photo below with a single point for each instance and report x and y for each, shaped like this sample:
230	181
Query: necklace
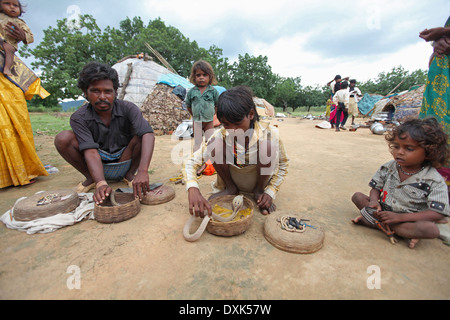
407	173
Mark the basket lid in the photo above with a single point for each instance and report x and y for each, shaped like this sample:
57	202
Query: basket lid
46	204
160	195
280	231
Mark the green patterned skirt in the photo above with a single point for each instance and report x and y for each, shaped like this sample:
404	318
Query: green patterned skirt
436	98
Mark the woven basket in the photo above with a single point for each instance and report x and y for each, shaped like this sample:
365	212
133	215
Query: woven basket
128	208
233	228
160	195
28	209
309	241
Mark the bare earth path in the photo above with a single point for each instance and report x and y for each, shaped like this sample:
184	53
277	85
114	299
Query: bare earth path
147	257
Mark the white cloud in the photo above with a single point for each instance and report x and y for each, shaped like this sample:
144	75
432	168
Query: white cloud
314	39
288	57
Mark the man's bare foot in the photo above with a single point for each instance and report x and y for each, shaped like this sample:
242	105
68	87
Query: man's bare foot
87	182
129	177
85	186
412	243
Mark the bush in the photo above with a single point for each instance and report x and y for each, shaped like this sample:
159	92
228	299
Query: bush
299	111
42	109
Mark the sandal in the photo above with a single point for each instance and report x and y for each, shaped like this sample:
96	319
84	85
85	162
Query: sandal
128	183
82	189
30	183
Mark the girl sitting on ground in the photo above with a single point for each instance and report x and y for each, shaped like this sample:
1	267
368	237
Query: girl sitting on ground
410	196
246	153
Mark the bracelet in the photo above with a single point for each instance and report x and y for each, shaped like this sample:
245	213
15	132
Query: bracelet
101	184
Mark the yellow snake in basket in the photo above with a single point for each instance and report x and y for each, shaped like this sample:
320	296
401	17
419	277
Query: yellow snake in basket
237	205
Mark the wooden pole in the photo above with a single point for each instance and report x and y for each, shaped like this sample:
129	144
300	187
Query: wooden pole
160	57
395	88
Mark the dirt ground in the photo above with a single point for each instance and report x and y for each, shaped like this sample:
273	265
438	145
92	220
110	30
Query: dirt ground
148	258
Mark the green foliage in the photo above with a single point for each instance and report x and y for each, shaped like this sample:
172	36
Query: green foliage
62	54
288	93
255	73
388	81
65	49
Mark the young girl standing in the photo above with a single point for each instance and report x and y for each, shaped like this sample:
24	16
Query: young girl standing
201	101
12	31
247	154
408	193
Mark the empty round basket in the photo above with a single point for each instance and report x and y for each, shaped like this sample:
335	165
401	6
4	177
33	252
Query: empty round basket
126	207
46	204
309	240
235	227
160	195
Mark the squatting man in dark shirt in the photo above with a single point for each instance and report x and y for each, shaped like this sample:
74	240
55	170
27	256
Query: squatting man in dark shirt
110	139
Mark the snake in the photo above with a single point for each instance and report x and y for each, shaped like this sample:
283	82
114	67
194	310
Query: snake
112	197
237	205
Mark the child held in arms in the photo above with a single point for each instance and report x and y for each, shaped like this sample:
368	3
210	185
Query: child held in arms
12	31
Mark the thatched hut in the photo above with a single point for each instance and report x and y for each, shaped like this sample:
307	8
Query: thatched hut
406	105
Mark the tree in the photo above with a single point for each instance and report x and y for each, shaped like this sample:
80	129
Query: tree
67	48
221	66
313	96
63	53
388	81
255	73
287	93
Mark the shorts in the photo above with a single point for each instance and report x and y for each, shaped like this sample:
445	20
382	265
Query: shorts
114	170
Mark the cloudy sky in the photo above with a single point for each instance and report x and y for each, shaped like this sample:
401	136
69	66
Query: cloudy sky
313	39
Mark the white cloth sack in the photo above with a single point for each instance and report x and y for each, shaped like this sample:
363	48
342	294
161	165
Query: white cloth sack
47	225
324	125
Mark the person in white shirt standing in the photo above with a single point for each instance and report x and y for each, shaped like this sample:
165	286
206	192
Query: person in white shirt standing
341	99
355	97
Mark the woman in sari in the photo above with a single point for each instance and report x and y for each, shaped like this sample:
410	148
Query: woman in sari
436	98
19	163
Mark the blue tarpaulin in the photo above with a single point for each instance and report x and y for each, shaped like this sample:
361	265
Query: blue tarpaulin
174	80
367	103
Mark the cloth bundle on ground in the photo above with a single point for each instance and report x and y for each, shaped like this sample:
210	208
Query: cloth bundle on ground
50	224
324	125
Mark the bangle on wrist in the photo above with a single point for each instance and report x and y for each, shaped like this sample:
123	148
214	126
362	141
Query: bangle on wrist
447	39
101	184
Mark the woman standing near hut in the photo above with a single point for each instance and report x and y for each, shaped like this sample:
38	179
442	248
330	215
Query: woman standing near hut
436	99
19	163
